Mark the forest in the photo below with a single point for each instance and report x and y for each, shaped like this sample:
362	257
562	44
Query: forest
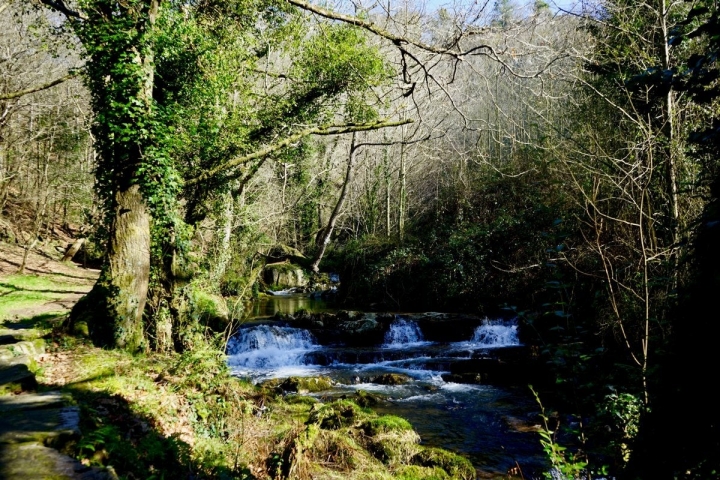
553	164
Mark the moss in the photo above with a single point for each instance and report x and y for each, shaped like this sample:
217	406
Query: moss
365	399
396	447
385	424
300	384
208	308
455	465
338	414
392	379
414	472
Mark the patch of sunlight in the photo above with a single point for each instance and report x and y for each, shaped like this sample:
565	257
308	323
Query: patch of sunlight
23	291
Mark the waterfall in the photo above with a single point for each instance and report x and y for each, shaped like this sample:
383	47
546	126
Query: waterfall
496	333
402	333
267	347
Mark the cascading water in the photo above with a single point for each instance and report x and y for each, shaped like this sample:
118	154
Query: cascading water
496	333
403	333
466	418
264	347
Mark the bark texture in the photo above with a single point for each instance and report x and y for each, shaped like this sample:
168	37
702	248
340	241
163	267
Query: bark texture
113	309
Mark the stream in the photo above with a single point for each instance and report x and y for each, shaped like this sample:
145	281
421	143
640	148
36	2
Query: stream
477	421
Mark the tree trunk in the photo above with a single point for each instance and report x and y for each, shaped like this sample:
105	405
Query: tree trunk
223	233
402	200
73	250
113	309
324	237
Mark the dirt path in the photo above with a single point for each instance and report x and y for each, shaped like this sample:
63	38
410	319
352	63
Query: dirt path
33	422
47	263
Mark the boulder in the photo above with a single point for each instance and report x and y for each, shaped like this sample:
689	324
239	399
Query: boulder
284	275
392	379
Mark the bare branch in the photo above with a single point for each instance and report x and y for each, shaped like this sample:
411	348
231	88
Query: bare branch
371	27
27	91
59	5
319	130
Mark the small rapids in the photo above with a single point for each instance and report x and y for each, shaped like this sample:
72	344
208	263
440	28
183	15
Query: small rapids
263	348
403	333
496	333
468	418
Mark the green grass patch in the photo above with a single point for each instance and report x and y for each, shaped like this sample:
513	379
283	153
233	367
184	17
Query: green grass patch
24	291
385	424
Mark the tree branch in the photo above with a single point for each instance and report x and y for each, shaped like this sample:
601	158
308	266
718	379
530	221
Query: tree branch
20	93
319	130
59	5
371	27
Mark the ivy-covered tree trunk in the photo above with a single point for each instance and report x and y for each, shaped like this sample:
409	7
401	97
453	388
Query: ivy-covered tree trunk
118	38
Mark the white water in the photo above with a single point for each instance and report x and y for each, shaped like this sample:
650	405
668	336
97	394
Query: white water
403	333
462	417
266	347
496	333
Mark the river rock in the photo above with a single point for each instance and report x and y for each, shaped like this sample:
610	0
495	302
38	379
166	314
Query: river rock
392	379
301	385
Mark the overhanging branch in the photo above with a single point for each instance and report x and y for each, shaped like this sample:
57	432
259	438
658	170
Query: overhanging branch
27	91
319	130
371	27
59	5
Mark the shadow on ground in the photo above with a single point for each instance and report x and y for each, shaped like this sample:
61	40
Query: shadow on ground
114	435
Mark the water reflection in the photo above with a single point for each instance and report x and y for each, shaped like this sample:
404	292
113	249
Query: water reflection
286	304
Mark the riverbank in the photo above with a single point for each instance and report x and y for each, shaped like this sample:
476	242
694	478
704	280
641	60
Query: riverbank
184	415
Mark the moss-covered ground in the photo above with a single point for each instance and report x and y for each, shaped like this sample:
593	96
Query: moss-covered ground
176	416
164	416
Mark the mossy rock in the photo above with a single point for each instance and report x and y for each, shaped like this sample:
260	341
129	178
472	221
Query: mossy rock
392	379
415	472
314	384
455	465
386	424
299	384
209	309
395	447
283	275
365	399
338	414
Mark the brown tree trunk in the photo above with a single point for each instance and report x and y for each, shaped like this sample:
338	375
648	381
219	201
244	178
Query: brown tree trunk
73	250
113	309
129	266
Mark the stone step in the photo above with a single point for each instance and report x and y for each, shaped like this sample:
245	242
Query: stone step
38	462
26	347
9	403
20	333
16	371
49	426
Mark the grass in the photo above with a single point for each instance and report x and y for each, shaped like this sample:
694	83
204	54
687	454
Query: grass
183	415
24	291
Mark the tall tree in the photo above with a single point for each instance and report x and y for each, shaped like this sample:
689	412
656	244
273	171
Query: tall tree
146	63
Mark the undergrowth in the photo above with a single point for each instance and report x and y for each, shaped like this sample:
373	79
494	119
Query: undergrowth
185	416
